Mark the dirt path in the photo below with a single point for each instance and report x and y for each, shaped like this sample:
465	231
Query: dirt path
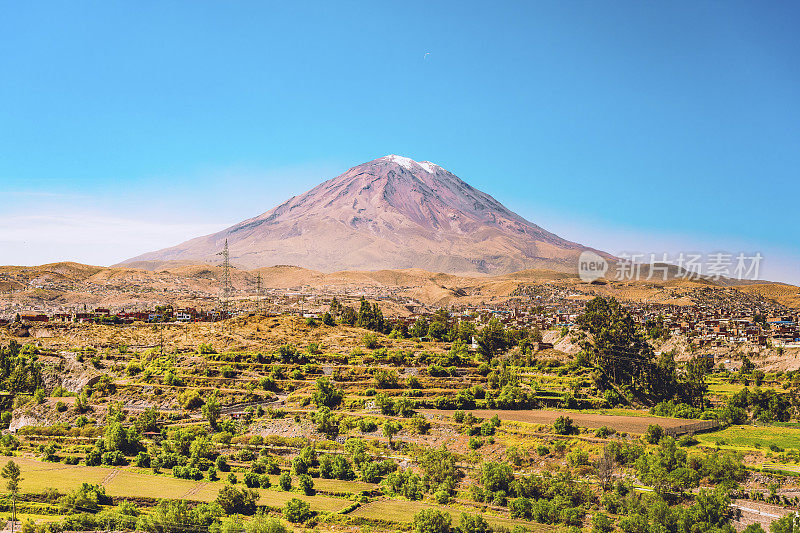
194	490
111	475
630	424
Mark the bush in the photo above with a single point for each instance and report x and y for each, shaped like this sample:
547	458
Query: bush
285	481
252	480
432	521
473	524
306	484
653	434
371	341
297	511
262	523
602	524
604	432
205	349
564	426
237	501
521	508
142	460
326	394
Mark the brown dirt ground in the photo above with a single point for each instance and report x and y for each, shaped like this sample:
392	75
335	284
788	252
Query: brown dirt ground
630	424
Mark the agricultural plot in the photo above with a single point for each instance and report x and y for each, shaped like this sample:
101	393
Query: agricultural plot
753	437
629	424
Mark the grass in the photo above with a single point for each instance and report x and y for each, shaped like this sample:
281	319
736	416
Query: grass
21	517
752	437
402	511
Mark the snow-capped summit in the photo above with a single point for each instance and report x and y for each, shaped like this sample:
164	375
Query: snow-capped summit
409	163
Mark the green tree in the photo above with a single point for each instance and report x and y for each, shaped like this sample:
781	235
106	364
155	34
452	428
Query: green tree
788	524
327	422
601	523
474	523
432	521
563	425
115	437
306	484
326	394
390	429
666	470
492	339
693	384
439	466
237	501
212	410
419	328
263	523
497	476
437	330
653	434
297	511
370	316
13	474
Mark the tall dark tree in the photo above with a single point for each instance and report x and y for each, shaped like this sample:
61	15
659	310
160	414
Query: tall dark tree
617	346
370	316
492	339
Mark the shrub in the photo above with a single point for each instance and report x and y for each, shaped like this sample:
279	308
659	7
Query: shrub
432	521
306	484
602	524
251	479
205	349
521	508
604	432
326	394
564	426
473	524
297	511
237	501
371	341
653	434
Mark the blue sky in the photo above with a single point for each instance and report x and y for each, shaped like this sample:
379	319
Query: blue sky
628	126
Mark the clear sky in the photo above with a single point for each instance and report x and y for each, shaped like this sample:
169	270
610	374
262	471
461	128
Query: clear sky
628	126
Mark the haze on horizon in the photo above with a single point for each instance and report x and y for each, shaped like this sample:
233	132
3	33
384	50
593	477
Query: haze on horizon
632	127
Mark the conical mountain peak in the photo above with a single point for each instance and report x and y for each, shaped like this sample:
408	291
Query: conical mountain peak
391	212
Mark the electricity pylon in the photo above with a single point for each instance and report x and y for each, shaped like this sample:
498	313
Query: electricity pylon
258	294
226	282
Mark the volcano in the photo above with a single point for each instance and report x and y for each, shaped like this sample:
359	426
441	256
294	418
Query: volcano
389	213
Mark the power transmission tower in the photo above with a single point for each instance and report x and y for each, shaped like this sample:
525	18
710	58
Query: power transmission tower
258	294
226	282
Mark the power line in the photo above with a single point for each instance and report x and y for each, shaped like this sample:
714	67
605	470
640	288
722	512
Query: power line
226	282
258	294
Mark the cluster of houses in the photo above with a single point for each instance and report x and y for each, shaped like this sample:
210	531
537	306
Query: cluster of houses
718	317
105	316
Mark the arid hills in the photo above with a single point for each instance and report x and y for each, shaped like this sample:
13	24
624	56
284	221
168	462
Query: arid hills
65	287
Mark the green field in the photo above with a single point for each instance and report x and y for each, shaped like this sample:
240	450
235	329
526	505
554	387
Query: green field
404	511
125	482
752	437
